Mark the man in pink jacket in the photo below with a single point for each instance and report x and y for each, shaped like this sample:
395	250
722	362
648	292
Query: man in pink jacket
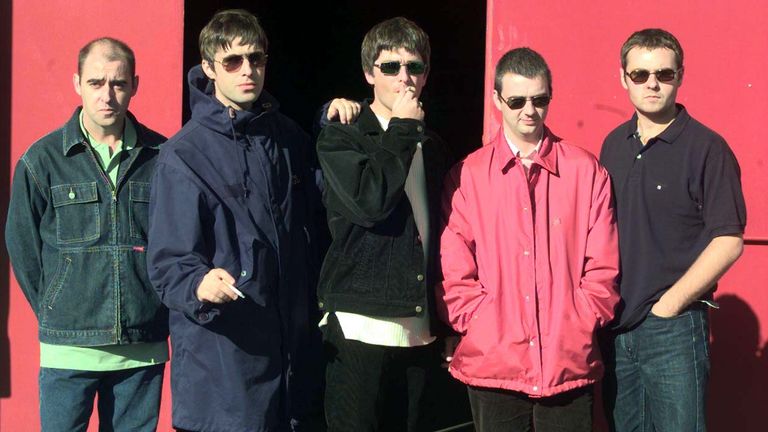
529	256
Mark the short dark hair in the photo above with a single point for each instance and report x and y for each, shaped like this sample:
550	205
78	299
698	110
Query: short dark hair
119	51
226	26
393	34
522	61
652	38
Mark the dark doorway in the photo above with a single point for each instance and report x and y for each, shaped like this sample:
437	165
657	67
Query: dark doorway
314	56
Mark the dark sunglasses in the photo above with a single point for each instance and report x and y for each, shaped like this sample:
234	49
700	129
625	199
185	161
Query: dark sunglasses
640	76
233	63
519	102
393	67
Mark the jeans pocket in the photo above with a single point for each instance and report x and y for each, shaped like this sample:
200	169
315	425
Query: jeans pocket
138	211
671	318
76	206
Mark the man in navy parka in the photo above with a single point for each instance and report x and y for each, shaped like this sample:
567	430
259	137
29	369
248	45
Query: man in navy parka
230	249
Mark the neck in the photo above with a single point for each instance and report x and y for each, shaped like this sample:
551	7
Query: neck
107	135
650	126
380	110
526	144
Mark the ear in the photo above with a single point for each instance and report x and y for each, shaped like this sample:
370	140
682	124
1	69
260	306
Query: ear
369	78
680	77
135	86
208	70
497	100
623	78
76	83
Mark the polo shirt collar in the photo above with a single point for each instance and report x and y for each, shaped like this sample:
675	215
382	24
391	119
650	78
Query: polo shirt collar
670	134
73	134
546	157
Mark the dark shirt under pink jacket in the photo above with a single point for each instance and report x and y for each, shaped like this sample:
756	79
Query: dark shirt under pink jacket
529	267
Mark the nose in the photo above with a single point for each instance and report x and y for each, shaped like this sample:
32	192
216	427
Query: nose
404	76
528	108
652	82
247	67
108	93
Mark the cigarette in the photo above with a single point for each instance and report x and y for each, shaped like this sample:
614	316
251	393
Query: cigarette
237	291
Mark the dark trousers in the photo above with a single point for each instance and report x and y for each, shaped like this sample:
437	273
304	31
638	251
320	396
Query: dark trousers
128	400
376	388
497	410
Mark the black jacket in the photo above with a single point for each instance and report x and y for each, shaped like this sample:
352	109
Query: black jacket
375	264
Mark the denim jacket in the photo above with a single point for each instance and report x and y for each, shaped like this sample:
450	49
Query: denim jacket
78	247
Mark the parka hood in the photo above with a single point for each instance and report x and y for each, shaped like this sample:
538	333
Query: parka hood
214	115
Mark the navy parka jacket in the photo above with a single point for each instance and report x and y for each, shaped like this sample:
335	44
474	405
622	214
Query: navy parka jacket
235	190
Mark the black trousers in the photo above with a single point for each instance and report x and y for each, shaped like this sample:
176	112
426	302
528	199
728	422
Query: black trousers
376	388
497	410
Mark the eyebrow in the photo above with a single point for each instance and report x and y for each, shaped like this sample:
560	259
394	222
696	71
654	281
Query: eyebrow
104	80
524	97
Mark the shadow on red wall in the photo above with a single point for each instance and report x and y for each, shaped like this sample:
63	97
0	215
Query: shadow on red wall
739	367
5	156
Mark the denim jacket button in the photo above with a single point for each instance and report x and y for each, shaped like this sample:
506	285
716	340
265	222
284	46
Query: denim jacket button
202	316
320	305
419	309
420	277
243	273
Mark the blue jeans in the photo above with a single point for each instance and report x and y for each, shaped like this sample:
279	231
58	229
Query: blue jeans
656	374
129	400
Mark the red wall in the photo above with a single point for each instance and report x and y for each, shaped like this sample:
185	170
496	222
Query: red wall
45	38
726	54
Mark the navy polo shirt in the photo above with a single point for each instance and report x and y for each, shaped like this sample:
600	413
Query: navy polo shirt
673	196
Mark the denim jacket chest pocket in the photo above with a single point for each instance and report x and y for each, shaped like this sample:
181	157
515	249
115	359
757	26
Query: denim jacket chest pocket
138	211
77	212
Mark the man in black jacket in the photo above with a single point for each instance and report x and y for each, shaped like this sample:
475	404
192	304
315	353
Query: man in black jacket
383	175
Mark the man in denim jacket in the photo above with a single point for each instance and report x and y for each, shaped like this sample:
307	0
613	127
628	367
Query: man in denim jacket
76	236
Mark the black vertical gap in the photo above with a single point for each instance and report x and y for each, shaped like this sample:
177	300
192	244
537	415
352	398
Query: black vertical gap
6	33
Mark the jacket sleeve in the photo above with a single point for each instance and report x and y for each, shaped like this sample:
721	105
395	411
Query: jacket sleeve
459	292
178	252
601	260
22	230
366	186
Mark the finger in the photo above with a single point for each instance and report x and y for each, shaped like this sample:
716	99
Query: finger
332	113
344	114
223	275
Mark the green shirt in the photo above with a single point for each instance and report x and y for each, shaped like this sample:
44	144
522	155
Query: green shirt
109	357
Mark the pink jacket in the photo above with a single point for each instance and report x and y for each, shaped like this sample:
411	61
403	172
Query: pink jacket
527	278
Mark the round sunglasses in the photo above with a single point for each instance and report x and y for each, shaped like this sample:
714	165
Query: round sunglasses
640	76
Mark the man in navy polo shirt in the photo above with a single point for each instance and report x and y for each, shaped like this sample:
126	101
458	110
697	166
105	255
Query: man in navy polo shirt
681	217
